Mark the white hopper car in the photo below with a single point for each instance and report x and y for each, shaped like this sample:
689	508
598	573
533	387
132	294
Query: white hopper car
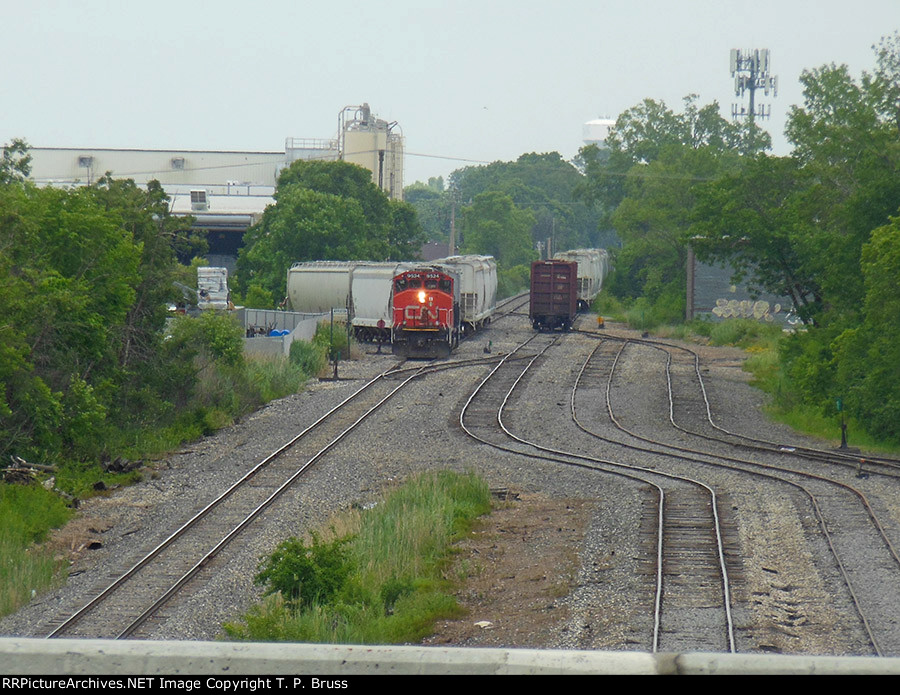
593	266
478	288
361	287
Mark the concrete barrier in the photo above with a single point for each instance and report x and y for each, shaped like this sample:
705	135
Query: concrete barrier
149	658
28	657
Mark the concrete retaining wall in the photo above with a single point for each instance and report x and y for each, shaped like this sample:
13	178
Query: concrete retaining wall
27	657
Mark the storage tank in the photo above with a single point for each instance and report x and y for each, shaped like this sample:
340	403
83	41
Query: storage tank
375	144
596	132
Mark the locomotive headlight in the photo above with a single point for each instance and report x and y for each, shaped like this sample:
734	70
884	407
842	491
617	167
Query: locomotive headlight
421	296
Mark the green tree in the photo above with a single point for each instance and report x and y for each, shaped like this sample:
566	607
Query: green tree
68	272
15	163
492	225
868	358
645	183
325	211
845	136
543	184
432	205
406	235
757	220
304	225
645	131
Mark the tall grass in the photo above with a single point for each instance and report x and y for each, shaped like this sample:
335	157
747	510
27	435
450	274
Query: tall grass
396	551
27	513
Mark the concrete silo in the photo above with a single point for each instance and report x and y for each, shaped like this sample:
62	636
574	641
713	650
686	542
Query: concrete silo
373	143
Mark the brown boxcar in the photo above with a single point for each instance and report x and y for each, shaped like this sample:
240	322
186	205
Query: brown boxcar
554	294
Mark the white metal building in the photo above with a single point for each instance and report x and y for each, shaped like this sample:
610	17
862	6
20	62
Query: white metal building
227	191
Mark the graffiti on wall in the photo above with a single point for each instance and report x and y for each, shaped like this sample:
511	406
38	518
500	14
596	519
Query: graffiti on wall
745	309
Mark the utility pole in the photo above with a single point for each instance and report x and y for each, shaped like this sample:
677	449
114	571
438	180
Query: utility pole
452	251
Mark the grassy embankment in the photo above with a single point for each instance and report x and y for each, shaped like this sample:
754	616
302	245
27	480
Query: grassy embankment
380	576
29	513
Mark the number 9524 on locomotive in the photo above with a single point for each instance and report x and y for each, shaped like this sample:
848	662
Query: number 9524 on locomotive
426	315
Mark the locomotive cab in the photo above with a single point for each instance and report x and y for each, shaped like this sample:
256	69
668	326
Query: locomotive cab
425	303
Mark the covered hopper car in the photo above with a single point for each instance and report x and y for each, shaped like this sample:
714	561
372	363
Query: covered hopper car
363	288
593	266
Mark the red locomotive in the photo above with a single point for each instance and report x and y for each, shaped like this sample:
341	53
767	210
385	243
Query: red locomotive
426	313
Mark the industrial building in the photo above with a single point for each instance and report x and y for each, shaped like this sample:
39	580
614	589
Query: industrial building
227	191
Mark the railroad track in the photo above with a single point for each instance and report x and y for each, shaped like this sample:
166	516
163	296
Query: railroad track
686	362
866	560
136	598
688	564
136	601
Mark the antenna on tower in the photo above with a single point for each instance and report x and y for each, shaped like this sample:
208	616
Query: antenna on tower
750	70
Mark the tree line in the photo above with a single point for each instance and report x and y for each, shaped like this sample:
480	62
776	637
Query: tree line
817	226
93	366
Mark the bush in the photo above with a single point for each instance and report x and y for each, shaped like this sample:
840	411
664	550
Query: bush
308	356
259	298
380	581
303	574
333	339
742	332
607	305
217	335
513	280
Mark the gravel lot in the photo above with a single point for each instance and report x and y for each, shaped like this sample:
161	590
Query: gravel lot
564	565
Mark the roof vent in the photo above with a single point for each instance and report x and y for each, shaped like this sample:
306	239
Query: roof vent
199	201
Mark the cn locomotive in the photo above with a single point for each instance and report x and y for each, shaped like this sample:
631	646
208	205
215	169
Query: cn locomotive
426	312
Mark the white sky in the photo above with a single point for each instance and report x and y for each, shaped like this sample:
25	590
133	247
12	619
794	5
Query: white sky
471	79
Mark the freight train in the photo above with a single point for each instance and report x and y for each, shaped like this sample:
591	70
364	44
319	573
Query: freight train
366	290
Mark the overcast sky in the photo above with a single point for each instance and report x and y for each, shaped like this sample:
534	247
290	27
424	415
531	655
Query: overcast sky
478	80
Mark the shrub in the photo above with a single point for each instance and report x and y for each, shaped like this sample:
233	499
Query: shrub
303	574
333	339
309	356
513	280
379	582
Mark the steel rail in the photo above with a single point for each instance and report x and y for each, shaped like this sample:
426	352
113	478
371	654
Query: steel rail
257	511
79	614
849	460
723	572
557	458
726	591
770	476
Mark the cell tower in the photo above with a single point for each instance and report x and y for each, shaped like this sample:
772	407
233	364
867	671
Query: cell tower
750	70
